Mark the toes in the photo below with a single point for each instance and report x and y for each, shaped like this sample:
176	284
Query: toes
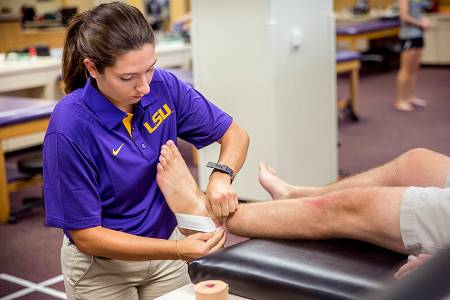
265	167
262	166
271	170
163	162
419	102
166	153
159	168
173	148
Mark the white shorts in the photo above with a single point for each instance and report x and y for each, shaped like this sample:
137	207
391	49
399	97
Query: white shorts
425	218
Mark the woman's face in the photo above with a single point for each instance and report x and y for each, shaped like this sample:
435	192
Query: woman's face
125	83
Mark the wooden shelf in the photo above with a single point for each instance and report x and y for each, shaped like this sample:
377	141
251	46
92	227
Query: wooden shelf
14	37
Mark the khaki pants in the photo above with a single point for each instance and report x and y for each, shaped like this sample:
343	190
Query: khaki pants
91	277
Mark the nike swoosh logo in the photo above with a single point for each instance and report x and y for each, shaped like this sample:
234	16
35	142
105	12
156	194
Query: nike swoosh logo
115	152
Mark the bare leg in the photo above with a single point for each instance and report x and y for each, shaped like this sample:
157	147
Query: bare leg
417	167
405	80
415	67
368	214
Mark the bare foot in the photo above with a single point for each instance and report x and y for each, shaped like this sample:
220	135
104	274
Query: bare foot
403	106
177	184
419	102
274	185
280	189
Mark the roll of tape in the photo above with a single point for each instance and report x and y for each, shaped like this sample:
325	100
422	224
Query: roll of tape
211	290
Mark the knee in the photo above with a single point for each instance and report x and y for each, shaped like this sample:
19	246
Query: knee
414	156
338	210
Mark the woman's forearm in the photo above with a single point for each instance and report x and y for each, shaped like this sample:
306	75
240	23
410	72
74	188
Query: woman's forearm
101	241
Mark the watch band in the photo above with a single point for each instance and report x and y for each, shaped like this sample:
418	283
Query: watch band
221	168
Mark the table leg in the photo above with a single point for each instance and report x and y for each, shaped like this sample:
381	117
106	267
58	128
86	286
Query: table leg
49	89
4	196
354	90
354	44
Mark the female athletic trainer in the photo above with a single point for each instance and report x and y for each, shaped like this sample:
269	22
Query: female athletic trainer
101	150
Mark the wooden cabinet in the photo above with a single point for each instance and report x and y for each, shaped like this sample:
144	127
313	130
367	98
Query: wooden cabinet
14	37
437	40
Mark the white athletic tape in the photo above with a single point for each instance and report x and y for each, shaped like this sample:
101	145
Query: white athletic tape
198	223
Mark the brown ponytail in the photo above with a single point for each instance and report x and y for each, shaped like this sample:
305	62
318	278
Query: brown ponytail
74	71
102	34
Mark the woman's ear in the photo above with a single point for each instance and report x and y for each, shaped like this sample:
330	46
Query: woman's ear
90	66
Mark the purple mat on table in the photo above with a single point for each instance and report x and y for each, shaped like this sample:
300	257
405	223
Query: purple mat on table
342	56
16	110
365	27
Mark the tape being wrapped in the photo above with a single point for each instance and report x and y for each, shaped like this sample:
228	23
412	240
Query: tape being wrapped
211	290
198	223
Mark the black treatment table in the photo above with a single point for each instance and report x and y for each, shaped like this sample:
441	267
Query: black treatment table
300	269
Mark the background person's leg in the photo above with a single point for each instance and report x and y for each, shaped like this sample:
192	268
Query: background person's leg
404	80
369	214
416	54
417	167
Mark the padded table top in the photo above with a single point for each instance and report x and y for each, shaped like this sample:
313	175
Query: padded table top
301	269
365	27
343	55
16	110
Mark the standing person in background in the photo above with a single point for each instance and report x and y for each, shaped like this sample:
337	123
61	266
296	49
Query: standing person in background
411	38
101	152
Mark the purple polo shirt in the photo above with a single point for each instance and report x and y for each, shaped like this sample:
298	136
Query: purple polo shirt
95	174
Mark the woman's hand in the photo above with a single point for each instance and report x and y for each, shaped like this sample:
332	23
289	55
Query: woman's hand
221	198
200	244
425	24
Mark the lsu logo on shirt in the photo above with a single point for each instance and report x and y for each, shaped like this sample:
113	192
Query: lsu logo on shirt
158	117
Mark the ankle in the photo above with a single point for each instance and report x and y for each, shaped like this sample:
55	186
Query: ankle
198	207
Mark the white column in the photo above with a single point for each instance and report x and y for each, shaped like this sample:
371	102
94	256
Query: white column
271	65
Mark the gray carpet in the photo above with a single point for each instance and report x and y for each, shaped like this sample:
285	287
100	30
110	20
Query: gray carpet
383	132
